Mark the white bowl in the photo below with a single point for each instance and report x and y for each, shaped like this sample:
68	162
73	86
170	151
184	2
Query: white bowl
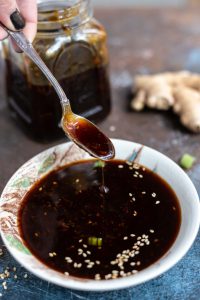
50	159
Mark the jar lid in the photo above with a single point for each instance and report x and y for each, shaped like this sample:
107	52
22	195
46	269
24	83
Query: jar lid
55	14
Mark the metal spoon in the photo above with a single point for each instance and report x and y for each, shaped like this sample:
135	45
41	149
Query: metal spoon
81	131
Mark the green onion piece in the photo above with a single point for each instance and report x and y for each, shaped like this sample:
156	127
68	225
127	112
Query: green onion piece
99	242
99	164
94	241
187	161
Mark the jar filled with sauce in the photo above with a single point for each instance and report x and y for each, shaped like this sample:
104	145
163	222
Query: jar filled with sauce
73	45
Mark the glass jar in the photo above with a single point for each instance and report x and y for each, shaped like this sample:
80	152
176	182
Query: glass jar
73	45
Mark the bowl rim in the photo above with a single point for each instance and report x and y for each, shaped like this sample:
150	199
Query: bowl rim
144	275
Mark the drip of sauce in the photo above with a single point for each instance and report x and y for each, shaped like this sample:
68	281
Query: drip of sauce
65	224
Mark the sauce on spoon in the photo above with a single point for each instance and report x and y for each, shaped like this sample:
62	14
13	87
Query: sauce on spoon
87	136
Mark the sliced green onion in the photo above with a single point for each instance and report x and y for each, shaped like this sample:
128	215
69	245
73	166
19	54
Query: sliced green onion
94	241
99	164
187	161
99	242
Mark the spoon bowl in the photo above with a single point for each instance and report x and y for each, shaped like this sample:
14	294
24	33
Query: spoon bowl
87	136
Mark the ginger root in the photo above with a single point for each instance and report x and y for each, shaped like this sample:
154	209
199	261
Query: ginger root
179	91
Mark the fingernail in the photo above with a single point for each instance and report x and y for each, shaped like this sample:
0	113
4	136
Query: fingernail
17	20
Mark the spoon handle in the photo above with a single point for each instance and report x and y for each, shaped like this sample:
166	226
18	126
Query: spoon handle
28	48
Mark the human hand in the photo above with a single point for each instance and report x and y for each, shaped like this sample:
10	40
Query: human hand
19	15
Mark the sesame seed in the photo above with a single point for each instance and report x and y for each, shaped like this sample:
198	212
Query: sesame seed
132	263
88	252
97	277
135	213
157	202
143	192
153	195
151	230
14	269
80	241
132	235
141	176
66	273
25	275
84	245
108	276
120	166
77	180
89	266
84	255
97	262
130	194
125	238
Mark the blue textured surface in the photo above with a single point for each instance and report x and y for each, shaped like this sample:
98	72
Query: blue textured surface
180	283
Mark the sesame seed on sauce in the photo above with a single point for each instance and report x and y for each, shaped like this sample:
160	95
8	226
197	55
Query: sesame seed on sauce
66	273
120	166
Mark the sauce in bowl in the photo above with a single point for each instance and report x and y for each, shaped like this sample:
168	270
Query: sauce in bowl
75	227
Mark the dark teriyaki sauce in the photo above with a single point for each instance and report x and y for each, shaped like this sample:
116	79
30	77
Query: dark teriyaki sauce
70	224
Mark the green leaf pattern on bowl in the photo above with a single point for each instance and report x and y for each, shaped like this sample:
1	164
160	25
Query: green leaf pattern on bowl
47	164
22	183
15	243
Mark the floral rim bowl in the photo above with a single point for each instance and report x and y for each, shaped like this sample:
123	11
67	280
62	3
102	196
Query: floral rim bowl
60	155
